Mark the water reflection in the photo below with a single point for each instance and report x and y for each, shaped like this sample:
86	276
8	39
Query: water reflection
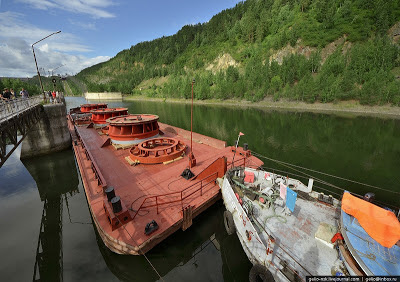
52	199
56	178
366	149
14	176
67	247
204	252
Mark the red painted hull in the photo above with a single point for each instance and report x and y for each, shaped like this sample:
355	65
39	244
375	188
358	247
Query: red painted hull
149	192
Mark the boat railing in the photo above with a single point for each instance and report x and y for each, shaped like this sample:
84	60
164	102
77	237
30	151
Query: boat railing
336	185
241	162
178	196
95	168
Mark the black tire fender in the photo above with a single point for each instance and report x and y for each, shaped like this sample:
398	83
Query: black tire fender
228	222
260	273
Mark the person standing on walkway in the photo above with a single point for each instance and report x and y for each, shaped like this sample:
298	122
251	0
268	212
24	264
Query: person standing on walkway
12	94
6	98
24	93
54	97
6	94
50	96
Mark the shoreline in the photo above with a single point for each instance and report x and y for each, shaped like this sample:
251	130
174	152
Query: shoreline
342	108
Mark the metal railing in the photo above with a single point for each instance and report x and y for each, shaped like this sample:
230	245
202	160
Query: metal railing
93	165
14	106
179	196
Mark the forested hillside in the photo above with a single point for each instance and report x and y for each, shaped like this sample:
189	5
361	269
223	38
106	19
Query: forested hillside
304	50
32	85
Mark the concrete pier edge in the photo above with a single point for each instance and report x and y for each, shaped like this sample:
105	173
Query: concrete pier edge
49	135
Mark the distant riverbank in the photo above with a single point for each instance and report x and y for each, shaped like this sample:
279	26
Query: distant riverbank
351	108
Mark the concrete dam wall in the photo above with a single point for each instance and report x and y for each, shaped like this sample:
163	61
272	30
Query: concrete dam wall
49	135
103	96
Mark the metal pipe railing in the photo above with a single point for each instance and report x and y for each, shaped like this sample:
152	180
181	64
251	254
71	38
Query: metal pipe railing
180	195
11	107
93	165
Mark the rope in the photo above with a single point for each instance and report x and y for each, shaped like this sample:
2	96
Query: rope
291	166
279	217
330	191
264	227
270	199
337	194
281	248
301	176
262	168
135	201
155	270
327	183
326	174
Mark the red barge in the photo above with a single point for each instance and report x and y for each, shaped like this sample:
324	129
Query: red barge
141	185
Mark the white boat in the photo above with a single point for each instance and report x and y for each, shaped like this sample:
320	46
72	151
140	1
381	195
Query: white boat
285	227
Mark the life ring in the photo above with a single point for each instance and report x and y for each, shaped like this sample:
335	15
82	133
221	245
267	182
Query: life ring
260	273
228	222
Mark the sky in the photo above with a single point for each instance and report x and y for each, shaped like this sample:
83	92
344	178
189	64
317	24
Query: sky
92	31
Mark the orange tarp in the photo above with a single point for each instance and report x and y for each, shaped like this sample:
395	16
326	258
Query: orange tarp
382	225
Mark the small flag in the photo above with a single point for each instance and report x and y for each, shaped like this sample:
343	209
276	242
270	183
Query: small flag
240	133
282	190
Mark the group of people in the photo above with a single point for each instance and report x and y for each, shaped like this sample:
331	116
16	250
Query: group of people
53	96
9	94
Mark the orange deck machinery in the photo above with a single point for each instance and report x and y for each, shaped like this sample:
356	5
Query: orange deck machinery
99	116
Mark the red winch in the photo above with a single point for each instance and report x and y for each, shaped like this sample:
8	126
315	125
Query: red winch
157	150
133	128
99	116
85	108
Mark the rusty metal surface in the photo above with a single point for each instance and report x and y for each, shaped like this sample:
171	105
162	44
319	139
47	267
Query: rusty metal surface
132	129
133	119
99	116
88	107
149	192
157	150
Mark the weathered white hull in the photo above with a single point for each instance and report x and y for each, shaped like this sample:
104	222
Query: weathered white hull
283	248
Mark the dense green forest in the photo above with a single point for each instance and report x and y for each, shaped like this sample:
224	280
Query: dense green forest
301	50
32	84
18	84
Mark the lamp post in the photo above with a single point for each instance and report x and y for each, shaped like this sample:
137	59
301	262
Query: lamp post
34	56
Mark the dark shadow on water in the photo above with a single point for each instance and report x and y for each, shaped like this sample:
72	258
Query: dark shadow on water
203	251
55	176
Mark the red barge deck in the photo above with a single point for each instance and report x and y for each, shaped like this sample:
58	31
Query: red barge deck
155	198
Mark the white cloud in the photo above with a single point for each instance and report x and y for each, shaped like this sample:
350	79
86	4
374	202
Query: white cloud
12	25
16	60
89	26
16	57
44	48
95	8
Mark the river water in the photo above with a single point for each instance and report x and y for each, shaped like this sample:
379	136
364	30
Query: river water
46	230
